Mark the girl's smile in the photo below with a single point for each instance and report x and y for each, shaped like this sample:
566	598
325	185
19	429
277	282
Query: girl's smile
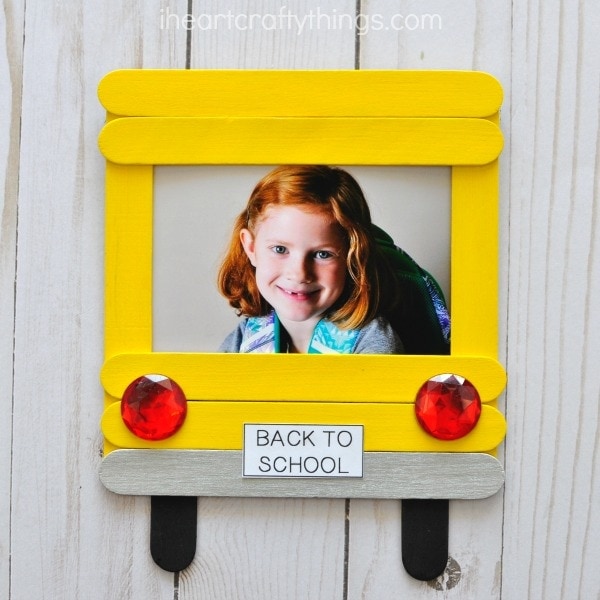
299	295
300	261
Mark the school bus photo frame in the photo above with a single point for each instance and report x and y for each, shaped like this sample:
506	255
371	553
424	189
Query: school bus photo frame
399	118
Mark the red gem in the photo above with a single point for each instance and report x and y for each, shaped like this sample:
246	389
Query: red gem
153	407
448	406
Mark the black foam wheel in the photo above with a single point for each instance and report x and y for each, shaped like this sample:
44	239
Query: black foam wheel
173	522
425	538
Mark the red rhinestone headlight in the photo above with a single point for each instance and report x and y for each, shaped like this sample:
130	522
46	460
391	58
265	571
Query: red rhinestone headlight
153	407
448	406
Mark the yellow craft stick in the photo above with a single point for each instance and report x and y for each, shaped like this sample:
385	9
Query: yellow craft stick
388	427
301	377
336	140
180	93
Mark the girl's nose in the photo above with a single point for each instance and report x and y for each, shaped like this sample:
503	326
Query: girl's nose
299	270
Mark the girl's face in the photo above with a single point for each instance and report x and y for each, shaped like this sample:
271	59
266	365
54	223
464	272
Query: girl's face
300	261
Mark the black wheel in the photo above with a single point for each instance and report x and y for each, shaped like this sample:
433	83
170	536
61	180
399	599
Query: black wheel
173	521
425	538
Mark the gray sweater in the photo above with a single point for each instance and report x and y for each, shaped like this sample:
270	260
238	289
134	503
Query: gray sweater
377	337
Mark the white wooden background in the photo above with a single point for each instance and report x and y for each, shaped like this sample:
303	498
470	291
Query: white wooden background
62	536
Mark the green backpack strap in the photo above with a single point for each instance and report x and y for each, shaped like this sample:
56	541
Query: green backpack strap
421	319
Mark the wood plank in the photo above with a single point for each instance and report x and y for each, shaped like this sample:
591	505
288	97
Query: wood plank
553	320
11	65
468	36
253	549
375	551
242	35
436	35
64	526
70	537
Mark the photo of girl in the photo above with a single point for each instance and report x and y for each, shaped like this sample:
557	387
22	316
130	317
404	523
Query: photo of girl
303	270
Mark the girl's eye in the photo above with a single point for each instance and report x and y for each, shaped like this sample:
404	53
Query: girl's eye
279	249
323	254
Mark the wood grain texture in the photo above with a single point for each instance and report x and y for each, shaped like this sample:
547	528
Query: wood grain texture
260	39
280	548
472	35
376	561
11	65
552	522
64	525
71	539
267	548
438	35
254	549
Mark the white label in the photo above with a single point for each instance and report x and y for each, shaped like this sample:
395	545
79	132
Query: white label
303	450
